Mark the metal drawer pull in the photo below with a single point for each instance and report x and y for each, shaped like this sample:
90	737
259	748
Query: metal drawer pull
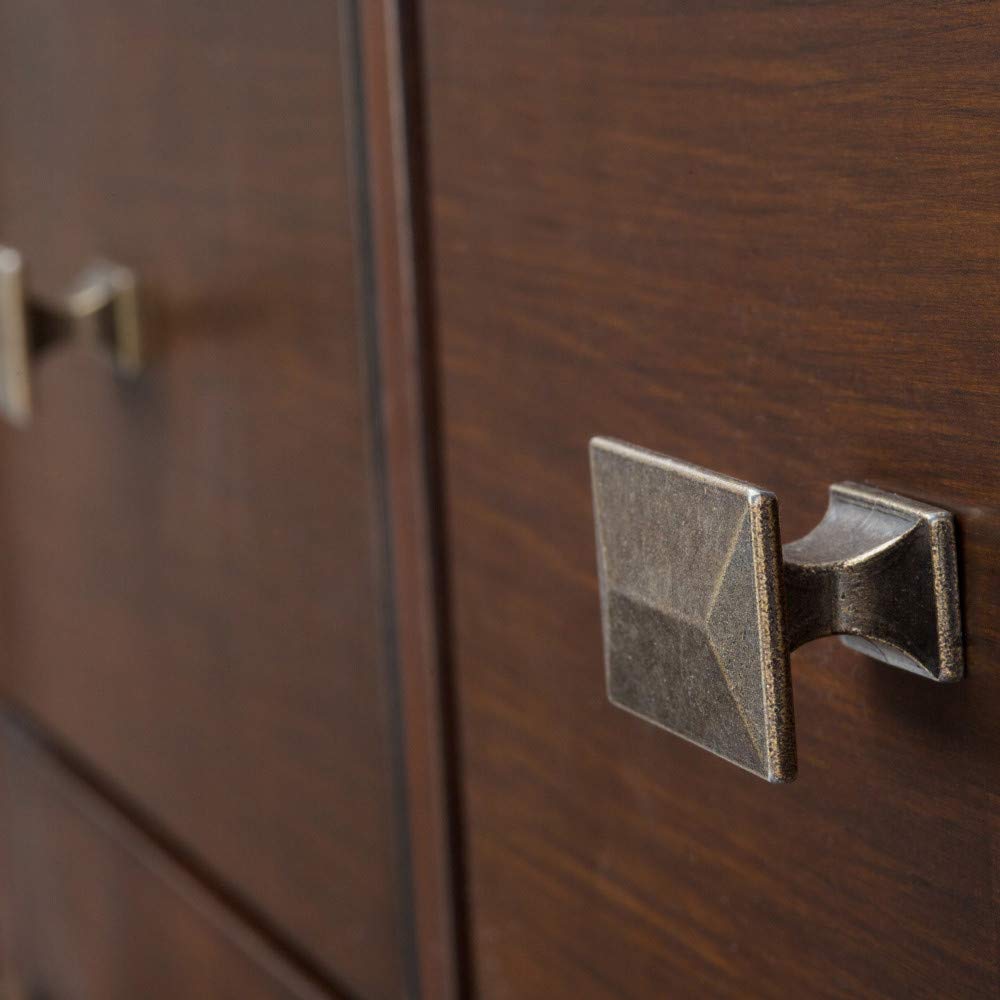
701	605
101	307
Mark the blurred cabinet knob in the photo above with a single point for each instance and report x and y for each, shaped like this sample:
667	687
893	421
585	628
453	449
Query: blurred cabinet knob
101	308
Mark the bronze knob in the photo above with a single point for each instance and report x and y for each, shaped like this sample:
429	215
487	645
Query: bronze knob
701	605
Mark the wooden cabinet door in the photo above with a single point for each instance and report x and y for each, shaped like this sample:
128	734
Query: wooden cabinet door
762	238
191	585
102	914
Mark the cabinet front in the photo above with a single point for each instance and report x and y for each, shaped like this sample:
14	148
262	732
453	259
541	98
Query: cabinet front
192	574
761	239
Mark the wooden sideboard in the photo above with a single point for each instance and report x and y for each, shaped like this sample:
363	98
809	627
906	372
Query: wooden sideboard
302	657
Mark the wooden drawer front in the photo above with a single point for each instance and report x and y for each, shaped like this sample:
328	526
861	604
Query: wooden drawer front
761	237
191	577
98	913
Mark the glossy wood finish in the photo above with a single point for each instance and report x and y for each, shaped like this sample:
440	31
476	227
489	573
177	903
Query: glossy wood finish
760	237
191	593
103	914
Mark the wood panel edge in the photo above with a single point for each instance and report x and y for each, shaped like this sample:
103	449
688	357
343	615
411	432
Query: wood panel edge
388	53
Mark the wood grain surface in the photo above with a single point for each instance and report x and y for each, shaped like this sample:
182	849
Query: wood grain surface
191	588
104	915
762	237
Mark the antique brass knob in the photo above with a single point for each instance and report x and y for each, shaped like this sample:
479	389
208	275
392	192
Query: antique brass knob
101	308
701	605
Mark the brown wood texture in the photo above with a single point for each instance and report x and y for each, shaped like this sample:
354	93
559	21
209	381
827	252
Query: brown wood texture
391	100
761	237
102	914
191	592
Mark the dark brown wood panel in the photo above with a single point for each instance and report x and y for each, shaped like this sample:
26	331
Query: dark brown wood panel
103	914
761	237
191	589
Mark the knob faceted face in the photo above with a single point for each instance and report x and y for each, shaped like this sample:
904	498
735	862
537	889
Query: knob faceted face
690	576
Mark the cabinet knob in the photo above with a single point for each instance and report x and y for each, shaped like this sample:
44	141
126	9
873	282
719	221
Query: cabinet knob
101	307
701	605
